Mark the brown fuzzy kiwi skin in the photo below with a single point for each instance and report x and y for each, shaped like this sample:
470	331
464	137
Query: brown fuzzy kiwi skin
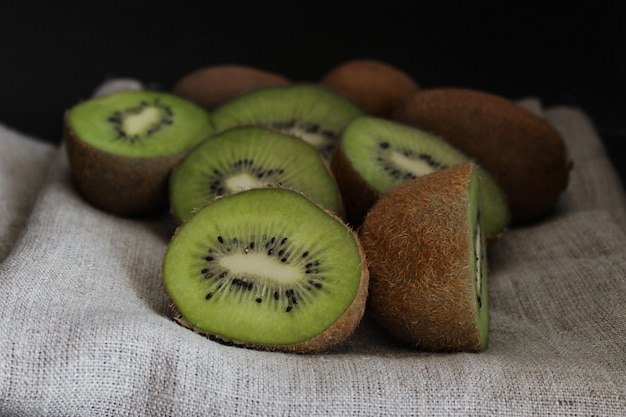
417	241
211	86
377	86
332	337
121	185
526	155
357	195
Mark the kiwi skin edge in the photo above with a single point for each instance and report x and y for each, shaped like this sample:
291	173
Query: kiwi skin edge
333	336
121	185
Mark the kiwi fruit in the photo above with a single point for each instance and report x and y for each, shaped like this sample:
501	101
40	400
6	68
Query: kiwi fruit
525	154
267	268
211	86
248	157
377	86
122	147
425	247
311	112
374	155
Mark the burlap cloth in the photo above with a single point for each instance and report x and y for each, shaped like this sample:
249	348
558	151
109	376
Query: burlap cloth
85	329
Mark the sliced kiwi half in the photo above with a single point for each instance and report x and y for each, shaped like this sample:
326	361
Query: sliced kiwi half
122	147
267	268
248	157
311	112
426	250
375	155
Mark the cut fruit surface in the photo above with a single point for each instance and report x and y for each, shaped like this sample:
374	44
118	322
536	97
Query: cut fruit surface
248	157
267	268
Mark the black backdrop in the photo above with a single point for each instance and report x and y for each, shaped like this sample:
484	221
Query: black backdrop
50	59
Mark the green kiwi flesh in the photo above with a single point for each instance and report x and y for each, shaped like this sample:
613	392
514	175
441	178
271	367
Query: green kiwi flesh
311	112
267	268
426	250
140	123
383	154
248	157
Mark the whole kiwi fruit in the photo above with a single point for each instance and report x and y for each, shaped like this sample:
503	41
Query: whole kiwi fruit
378	87
526	155
211	86
426	251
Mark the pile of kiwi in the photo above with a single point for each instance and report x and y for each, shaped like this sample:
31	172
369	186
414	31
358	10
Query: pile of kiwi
299	205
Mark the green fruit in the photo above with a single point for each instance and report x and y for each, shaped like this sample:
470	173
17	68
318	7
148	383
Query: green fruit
249	157
308	111
122	147
267	268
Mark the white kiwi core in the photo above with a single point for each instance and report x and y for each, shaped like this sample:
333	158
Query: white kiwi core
242	181
261	266
416	167
136	124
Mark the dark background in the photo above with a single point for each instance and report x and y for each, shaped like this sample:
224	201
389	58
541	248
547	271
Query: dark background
573	55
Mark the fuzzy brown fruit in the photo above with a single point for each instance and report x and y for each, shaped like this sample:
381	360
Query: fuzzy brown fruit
426	253
210	87
376	86
526	155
